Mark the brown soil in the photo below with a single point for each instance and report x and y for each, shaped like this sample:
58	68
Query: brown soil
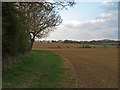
65	45
94	67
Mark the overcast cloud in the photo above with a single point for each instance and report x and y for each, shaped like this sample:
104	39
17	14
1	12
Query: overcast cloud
104	26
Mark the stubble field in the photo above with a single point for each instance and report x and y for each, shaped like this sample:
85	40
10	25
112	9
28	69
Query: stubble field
94	67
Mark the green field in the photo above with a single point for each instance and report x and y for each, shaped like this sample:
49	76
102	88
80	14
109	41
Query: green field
103	43
109	43
40	69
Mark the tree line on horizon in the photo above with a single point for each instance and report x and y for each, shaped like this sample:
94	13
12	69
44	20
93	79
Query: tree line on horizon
95	42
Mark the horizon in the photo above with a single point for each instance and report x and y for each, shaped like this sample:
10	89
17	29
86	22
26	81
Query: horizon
87	21
78	40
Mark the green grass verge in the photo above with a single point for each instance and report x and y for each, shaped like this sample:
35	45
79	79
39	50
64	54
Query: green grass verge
40	69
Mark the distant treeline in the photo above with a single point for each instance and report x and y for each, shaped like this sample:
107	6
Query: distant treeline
93	42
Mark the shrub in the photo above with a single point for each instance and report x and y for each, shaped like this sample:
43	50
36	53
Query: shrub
87	46
51	47
118	47
58	47
94	46
68	47
105	46
79	47
83	46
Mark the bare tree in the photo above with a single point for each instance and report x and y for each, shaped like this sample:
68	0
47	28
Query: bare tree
43	17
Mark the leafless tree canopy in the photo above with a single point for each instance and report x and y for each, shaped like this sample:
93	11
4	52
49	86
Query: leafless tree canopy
42	17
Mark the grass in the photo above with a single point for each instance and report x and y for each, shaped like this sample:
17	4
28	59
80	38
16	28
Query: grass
103	43
39	69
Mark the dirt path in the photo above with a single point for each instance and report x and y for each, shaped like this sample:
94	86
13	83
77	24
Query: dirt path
95	68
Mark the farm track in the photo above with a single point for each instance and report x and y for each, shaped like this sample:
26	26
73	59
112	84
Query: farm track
95	68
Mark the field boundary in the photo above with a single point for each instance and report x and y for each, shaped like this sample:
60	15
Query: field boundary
68	65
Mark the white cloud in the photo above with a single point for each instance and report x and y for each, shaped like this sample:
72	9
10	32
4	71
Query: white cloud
110	6
93	29
104	26
97	21
105	15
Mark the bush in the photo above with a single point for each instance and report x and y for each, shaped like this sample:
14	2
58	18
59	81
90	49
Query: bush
15	39
83	46
118	47
87	46
94	46
68	47
51	47
58	47
105	46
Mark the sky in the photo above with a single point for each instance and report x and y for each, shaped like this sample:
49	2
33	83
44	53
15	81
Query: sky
87	21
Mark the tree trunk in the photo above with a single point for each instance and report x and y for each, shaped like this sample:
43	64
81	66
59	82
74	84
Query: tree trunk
32	41
31	44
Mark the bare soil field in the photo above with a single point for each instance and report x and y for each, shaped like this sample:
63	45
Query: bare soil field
66	45
94	67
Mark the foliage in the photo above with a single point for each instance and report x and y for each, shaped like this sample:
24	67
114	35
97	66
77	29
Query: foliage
86	46
94	46
14	35
97	42
15	39
58	47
